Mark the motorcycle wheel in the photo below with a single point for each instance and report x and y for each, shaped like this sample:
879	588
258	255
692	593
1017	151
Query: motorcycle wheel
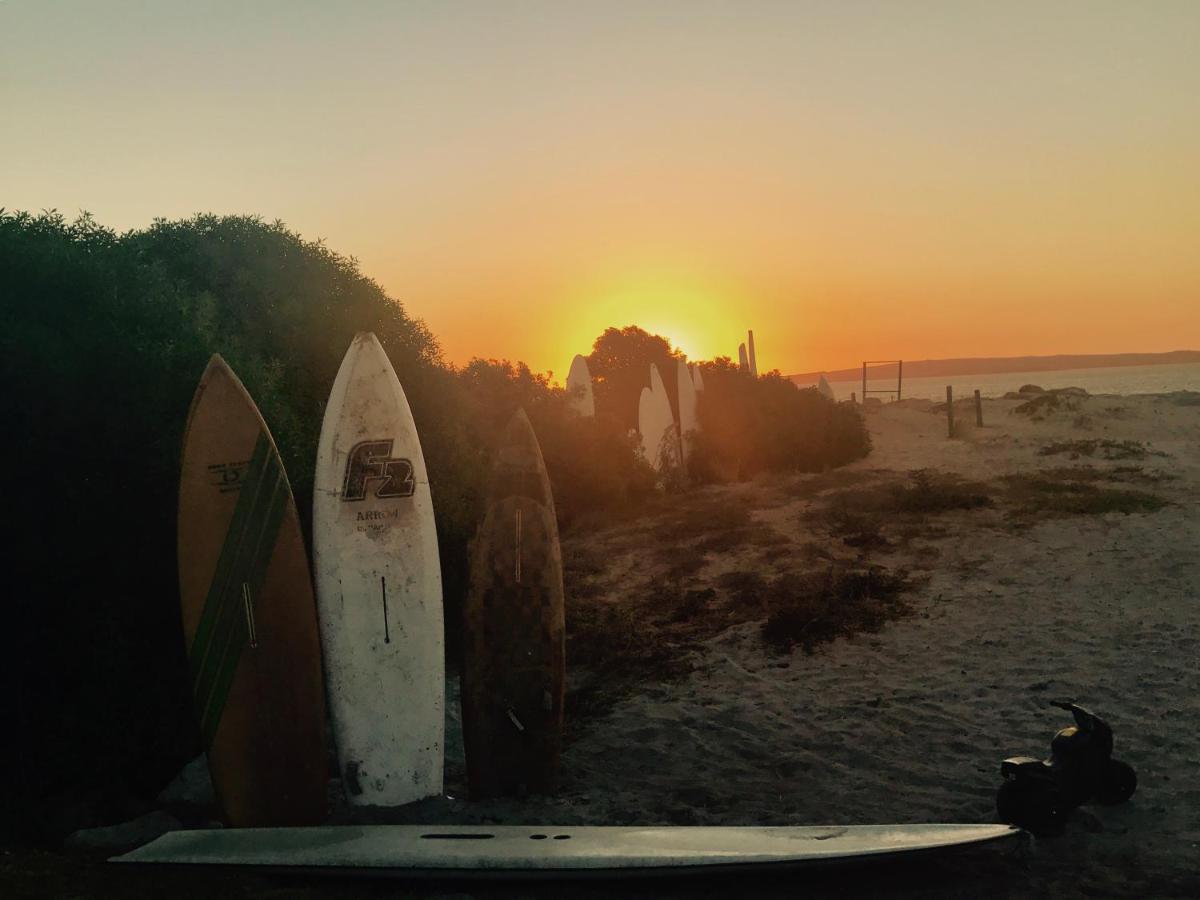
1035	806
1117	784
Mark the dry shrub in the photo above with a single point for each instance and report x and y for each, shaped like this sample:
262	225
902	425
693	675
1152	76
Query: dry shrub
807	610
752	425
1045	495
1107	449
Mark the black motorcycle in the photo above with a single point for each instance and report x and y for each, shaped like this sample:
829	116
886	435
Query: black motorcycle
1038	794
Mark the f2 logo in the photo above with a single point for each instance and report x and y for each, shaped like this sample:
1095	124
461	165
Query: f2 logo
371	461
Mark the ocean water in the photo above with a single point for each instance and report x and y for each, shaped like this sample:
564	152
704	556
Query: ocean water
1114	380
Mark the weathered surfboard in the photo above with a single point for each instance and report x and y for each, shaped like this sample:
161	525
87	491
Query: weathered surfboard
553	851
579	387
248	613
698	378
743	359
513	672
687	410
751	356
379	586
656	425
825	388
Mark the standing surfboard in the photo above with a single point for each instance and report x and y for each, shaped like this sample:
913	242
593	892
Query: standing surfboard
379	586
825	388
248	613
687	410
656	424
579	387
513	637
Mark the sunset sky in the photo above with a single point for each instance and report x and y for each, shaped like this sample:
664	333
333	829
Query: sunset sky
852	180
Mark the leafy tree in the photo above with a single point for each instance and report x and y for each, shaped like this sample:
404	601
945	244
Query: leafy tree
620	367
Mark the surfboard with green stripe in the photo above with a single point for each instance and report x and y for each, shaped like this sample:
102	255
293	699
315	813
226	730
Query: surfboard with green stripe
248	612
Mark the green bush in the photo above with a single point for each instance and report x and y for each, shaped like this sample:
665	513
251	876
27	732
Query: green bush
751	425
103	337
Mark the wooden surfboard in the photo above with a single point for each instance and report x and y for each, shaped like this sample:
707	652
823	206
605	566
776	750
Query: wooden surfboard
248	613
379	586
550	851
514	659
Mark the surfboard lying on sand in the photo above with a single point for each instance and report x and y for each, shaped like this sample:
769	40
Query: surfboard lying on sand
513	674
379	586
551	851
248	613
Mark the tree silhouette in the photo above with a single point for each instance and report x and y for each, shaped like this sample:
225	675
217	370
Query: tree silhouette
620	366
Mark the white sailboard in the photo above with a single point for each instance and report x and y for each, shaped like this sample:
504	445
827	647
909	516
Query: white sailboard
379	586
551	851
579	387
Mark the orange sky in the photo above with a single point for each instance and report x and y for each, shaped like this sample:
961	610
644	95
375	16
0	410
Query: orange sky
851	180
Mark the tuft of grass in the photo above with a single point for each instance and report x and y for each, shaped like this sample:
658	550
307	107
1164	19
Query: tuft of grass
1128	474
1107	449
683	562
1039	494
933	492
806	612
744	588
1050	402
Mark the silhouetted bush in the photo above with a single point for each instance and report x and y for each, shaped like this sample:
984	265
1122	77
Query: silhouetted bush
592	462
750	425
103	337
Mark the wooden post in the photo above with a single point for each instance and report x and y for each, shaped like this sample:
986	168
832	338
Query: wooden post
950	409
899	380
864	384
978	409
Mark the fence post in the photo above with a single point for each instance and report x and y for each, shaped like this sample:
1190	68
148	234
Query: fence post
978	409
864	384
899	380
950	409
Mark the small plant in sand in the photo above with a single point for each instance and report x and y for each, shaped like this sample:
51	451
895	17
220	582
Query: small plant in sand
806	611
1041	405
1043	494
929	491
1105	448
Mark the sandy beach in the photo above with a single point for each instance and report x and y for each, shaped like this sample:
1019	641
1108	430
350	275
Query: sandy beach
1017	605
1013	602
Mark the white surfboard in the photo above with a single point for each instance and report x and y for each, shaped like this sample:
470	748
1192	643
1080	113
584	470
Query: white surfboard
697	379
379	586
743	359
751	358
552	851
687	410
579	387
656	424
825	388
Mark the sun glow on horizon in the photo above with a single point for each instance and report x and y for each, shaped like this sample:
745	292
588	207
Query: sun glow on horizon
699	320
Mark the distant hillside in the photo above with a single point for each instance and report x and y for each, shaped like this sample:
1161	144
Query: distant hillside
1001	364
